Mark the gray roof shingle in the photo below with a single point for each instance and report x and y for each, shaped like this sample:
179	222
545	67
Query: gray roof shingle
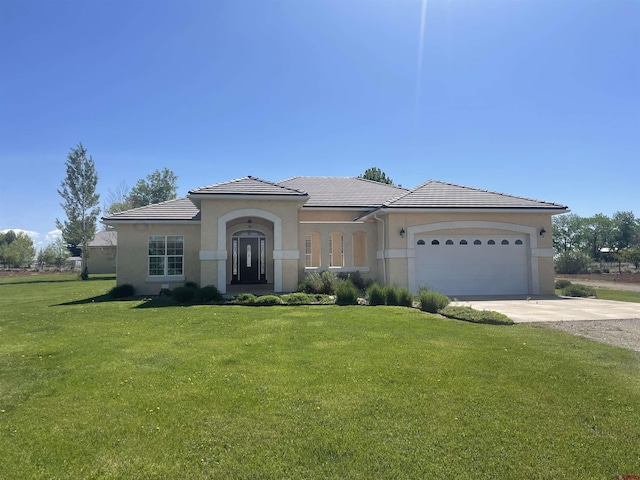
436	194
181	209
349	192
246	186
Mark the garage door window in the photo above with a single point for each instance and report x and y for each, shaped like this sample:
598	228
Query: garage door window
449	242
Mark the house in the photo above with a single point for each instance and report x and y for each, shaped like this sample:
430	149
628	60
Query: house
102	252
251	233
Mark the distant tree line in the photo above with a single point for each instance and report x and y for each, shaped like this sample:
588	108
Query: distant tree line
580	241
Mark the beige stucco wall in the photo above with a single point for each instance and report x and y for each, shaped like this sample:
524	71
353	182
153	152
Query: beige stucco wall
322	224
398	250
277	219
133	244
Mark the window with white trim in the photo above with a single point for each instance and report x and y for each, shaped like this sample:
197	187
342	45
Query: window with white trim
336	250
166	255
308	251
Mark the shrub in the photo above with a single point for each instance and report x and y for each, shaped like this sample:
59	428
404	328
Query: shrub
191	285
390	295
577	290
122	291
560	284
183	294
405	298
268	300
207	294
356	278
375	294
329	282
245	299
469	314
346	293
432	302
300	298
572	263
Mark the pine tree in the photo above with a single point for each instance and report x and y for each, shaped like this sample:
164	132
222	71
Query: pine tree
78	191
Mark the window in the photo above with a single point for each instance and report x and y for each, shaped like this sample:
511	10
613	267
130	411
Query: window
518	242
505	242
433	242
336	250
477	242
449	242
166	255
491	242
463	242
308	258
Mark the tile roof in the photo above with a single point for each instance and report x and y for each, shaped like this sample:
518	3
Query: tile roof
246	186
436	194
105	238
171	210
347	192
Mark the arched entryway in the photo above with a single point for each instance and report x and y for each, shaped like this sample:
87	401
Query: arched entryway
248	257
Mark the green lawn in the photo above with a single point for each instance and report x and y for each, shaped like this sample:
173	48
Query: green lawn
134	390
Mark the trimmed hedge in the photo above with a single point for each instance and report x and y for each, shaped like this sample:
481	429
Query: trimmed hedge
562	283
208	294
183	294
577	290
376	294
469	314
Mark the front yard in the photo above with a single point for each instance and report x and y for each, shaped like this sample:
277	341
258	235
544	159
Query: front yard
133	390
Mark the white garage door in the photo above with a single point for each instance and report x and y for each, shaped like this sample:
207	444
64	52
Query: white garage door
472	264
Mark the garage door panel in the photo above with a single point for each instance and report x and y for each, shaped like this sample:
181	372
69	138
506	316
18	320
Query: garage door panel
473	269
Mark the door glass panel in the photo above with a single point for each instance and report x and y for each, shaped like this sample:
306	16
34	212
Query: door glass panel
249	256
235	256
262	256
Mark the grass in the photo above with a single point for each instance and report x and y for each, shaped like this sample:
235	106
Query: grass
617	295
112	390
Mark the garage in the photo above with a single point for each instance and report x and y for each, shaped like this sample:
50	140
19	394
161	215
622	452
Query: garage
458	265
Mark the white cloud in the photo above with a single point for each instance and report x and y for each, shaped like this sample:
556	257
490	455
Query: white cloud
53	235
34	235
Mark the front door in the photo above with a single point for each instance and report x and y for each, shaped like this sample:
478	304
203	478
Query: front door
248	258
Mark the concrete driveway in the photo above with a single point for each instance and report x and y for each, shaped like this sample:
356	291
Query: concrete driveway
555	309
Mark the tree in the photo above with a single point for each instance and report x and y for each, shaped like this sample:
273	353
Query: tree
566	232
78	191
118	200
626	230
53	254
377	175
157	187
596	233
16	250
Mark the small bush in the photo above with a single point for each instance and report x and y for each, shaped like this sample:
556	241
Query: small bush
191	285
560	284
356	278
432	302
316	282
405	298
390	295
245	299
208	294
301	298
577	290
572	263
346	293
122	291
183	294
268	300
469	314
375	294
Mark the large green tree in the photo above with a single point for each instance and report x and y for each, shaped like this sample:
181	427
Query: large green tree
159	186
78	190
16	250
377	175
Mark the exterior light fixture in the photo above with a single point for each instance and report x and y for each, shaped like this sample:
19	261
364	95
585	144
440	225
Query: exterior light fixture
402	232
542	232
249	223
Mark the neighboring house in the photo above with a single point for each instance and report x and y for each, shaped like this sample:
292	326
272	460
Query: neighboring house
245	232
103	252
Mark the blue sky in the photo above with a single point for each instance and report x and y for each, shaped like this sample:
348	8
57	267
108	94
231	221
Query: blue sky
536	98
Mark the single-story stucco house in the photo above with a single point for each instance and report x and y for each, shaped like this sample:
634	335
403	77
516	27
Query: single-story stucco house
103	252
250	233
